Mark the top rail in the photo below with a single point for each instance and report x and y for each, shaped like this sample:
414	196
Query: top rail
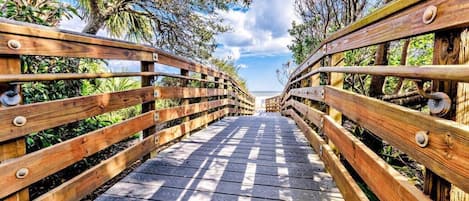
400	19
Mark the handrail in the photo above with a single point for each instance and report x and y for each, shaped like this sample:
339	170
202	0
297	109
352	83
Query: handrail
438	144
18	171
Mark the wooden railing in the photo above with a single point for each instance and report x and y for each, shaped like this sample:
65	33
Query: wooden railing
439	140
19	170
272	104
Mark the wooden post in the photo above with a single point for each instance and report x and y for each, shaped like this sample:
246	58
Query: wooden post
446	51
185	101
336	80
146	107
204	99
15	147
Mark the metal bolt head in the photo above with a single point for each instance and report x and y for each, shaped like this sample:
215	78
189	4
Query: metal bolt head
421	138
429	14
10	98
155	94
14	44
155	57
19	121
22	173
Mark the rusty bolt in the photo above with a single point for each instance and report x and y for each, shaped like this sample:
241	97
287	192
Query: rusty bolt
22	173
19	121
14	44
421	138
429	15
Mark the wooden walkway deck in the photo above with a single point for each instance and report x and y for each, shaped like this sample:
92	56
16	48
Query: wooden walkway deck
261	157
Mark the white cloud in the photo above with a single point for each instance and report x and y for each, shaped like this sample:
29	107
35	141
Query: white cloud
242	66
262	30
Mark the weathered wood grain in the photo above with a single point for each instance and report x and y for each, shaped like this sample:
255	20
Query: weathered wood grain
449	141
347	185
88	181
47	161
312	93
185	110
15	147
45	115
186	92
51	47
371	168
172	133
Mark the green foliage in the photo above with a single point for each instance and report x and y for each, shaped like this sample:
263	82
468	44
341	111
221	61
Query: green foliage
228	66
47	13
185	27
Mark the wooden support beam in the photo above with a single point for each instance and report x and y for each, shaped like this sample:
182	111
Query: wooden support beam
13	147
149	106
446	154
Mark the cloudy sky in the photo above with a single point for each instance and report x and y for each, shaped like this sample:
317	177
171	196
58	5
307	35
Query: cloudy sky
257	42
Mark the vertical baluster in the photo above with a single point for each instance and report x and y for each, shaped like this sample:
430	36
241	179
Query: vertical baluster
146	107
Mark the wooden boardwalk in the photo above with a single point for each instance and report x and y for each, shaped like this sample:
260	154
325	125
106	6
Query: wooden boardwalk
261	157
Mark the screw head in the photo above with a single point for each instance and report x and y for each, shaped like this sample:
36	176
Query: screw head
19	121
429	14
14	44
421	138
22	173
155	57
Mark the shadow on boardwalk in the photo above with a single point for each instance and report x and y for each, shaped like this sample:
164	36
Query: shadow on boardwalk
262	157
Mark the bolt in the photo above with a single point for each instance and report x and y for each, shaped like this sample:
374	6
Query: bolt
429	14
14	44
421	138
11	93
155	57
22	173
19	121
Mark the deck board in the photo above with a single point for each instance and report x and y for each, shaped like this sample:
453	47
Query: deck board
262	157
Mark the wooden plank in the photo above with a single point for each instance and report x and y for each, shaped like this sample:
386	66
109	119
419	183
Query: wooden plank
171	60
185	92
168	114
336	80
69	152
371	168
147	81
172	133
347	186
34	30
51	47
311	114
87	182
77	76
45	115
434	72
449	141
16	147
312	93
405	22
462	105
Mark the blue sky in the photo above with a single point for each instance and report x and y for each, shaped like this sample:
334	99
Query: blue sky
257	41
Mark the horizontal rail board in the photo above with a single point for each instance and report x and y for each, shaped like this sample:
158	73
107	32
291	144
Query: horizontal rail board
167	135
185	110
34	30
446	153
6	78
85	183
371	168
309	113
312	93
187	92
346	184
47	161
403	24
60	48
41	116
